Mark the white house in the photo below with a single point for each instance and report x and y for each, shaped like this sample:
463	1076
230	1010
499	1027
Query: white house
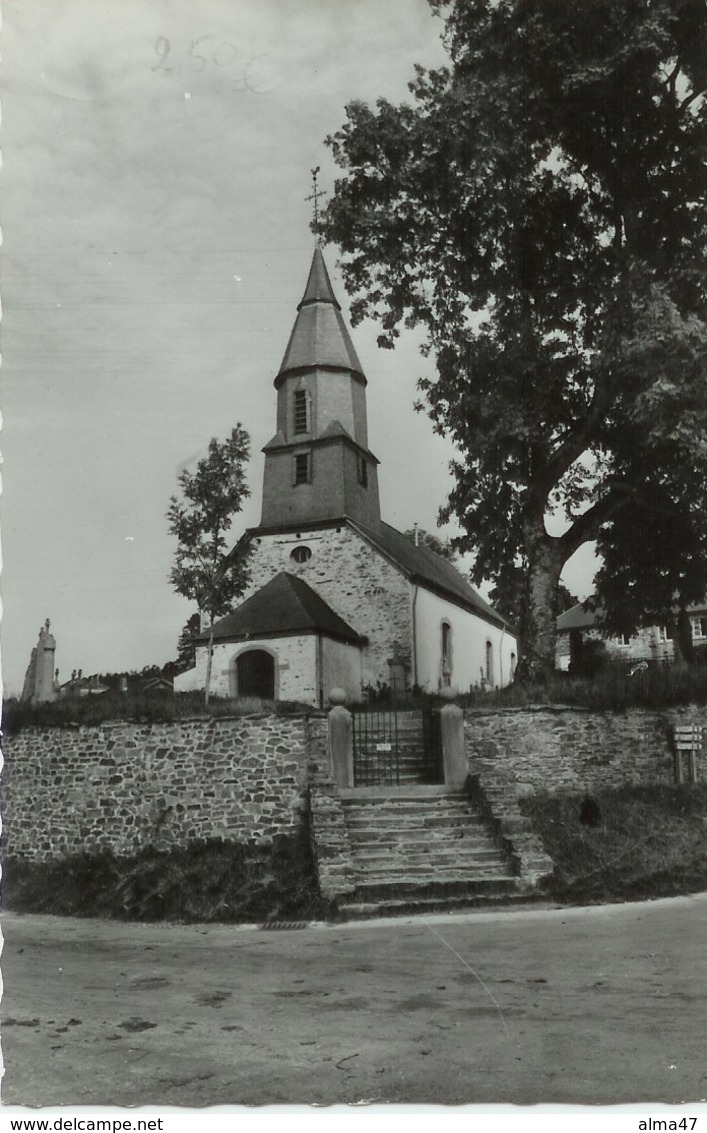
649	643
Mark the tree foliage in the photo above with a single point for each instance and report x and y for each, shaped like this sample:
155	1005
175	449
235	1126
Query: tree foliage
212	496
422	538
186	645
540	211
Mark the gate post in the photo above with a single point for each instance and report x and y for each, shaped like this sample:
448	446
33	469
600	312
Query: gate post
340	740
456	767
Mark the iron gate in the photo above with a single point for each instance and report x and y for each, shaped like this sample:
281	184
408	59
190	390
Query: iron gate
389	748
375	747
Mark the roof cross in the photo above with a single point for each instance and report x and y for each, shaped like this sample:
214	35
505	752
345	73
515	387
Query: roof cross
314	196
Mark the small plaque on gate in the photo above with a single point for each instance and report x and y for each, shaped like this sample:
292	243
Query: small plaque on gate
384	747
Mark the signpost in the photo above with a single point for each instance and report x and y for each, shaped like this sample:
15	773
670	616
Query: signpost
688	741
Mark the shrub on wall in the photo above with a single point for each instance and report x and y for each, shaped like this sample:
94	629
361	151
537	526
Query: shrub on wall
615	687
641	842
205	881
88	711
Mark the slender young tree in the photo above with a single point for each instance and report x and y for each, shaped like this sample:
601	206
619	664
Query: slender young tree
211	497
540	210
186	647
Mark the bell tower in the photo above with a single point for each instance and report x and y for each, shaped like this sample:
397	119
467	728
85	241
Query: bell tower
318	465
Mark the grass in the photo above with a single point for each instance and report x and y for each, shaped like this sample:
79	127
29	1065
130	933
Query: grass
612	689
90	711
650	842
209	881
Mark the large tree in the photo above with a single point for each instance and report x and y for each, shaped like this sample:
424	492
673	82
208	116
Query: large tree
540	210
212	496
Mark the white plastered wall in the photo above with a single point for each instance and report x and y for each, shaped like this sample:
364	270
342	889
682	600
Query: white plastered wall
341	668
295	666
469	637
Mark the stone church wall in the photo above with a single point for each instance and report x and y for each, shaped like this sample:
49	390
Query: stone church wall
125	786
557	749
357	582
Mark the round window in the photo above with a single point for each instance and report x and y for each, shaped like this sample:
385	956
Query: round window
301	554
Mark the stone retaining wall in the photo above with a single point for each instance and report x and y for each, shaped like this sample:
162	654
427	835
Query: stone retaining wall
557	749
125	786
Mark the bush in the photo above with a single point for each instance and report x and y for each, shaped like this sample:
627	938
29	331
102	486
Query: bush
204	882
113	707
648	842
611	688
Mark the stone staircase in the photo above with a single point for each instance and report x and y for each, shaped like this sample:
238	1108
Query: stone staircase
417	848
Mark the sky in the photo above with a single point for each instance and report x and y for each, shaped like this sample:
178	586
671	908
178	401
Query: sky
157	156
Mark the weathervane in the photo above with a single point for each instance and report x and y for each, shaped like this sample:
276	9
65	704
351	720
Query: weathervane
314	197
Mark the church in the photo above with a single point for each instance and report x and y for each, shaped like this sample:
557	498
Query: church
337	597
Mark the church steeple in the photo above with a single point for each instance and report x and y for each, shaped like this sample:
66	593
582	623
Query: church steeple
319	336
318	466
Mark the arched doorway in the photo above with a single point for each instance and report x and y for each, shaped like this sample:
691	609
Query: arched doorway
255	674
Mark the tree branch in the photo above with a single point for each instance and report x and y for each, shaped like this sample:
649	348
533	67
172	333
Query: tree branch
587	526
577	437
686	102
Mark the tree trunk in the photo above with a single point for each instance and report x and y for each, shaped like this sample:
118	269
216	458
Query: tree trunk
209	661
683	647
539	621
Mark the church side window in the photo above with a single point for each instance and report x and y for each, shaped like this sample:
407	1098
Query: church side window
301	423
301	554
303	468
362	471
446	652
489	663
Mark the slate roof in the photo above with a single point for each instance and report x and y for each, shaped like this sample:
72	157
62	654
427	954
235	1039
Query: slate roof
431	570
580	617
319	336
586	615
285	606
419	564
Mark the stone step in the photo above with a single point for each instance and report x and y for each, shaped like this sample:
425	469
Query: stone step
422	791
394	889
469	866
389	811
462	860
441	903
419	846
454	833
424	810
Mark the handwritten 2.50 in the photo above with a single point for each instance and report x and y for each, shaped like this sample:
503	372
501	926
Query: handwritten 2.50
209	52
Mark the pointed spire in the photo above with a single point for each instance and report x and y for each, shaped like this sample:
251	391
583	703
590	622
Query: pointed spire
318	289
320	338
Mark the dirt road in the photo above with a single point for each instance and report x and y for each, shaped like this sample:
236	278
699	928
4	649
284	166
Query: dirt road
603	1005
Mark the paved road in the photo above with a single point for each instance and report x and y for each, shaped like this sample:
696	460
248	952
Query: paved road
602	1005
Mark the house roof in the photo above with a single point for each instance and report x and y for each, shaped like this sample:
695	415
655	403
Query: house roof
285	606
590	614
581	616
319	337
